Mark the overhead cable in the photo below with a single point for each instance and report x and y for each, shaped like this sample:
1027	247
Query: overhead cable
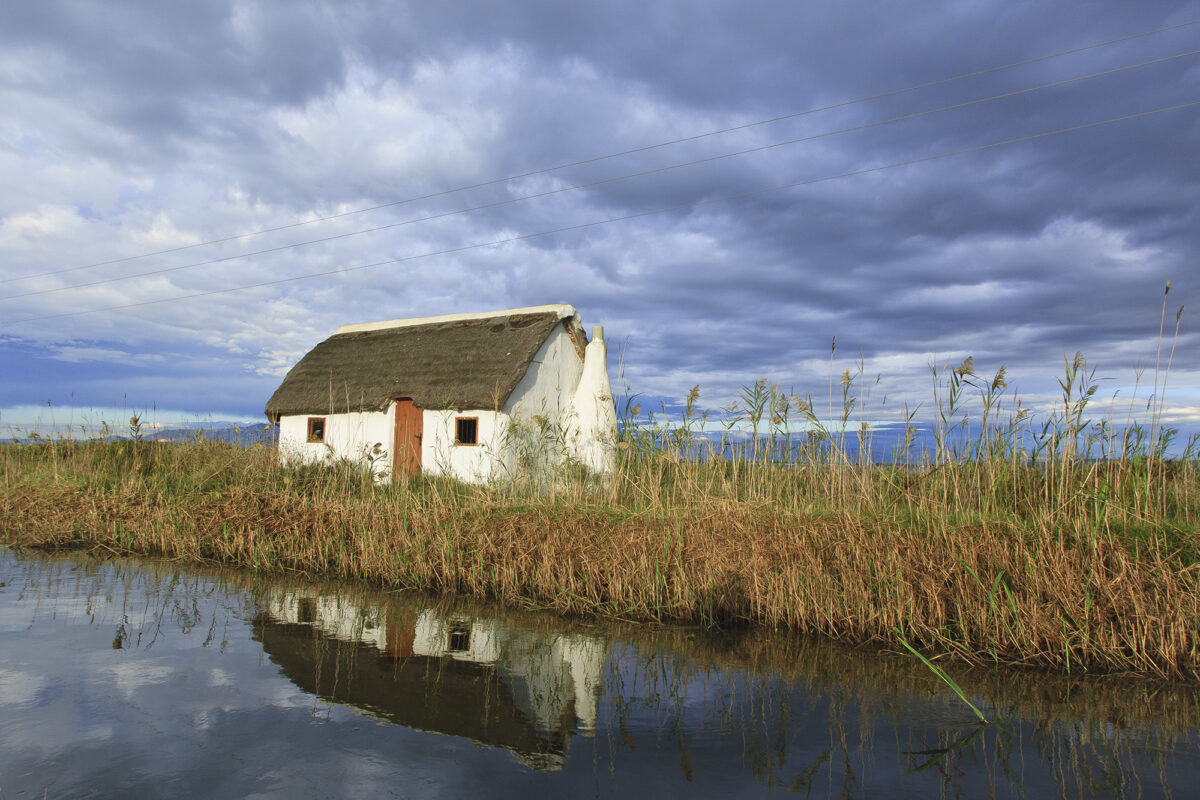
590	184
626	217
631	151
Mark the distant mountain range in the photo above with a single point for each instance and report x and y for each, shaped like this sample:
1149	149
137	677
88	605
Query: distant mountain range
232	432
240	433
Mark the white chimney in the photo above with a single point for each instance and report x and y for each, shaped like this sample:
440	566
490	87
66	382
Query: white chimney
594	420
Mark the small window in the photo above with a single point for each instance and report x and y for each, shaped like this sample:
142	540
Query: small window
306	610
466	430
459	638
316	429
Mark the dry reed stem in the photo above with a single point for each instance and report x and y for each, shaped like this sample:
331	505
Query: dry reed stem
1033	590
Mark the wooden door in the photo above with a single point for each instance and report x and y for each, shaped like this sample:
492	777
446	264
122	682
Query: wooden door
406	447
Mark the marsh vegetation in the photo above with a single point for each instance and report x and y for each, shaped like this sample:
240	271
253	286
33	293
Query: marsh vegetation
1062	541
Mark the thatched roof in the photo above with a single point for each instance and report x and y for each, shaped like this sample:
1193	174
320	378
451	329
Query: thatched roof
452	362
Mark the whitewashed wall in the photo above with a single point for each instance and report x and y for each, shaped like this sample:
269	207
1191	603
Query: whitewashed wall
432	638
336	616
539	405
349	436
550	382
476	463
545	392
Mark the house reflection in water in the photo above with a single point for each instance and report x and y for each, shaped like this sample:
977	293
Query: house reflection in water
462	675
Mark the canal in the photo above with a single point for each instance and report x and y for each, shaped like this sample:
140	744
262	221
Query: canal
149	679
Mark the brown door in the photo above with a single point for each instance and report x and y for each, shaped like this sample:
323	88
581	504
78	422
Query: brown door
406	448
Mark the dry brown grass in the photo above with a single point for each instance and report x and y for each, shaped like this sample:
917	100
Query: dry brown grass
857	552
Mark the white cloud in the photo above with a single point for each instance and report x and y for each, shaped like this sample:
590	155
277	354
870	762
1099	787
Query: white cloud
76	355
1015	255
18	686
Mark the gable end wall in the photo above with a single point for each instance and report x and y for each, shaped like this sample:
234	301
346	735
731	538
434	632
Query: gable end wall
548	386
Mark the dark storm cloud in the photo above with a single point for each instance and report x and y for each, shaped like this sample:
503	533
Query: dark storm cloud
162	74
139	126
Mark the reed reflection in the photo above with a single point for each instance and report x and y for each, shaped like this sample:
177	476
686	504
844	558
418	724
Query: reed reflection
163	657
786	713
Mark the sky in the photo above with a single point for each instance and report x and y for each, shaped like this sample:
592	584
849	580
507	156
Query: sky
1011	181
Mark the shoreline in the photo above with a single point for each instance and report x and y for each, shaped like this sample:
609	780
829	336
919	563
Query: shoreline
983	589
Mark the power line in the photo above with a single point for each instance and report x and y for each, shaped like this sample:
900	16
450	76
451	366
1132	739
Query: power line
631	151
626	217
643	173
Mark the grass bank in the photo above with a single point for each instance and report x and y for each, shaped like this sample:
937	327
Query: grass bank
992	556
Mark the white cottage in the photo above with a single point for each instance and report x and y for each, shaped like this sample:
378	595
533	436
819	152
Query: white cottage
473	396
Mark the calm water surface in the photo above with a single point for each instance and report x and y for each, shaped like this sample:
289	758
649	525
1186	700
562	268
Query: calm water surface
140	679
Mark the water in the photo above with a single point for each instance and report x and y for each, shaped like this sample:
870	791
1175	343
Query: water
141	679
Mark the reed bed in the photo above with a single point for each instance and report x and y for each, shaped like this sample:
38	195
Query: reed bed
1070	544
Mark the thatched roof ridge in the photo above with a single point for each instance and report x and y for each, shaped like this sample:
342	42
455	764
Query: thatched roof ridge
452	362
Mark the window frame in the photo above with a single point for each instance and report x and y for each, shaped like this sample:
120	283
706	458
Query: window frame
457	422
312	438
